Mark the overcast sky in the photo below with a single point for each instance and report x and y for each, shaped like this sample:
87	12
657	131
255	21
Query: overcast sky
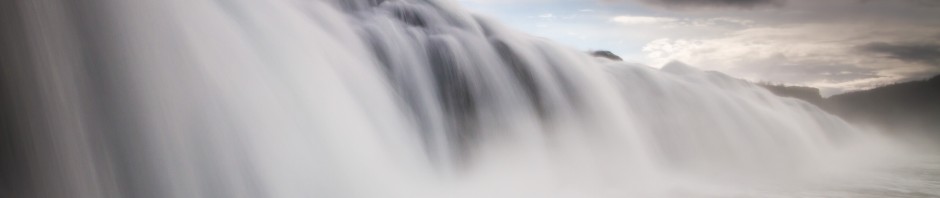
835	45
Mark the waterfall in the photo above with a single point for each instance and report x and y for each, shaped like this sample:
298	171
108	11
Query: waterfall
372	98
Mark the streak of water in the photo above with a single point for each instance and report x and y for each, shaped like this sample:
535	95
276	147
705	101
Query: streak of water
394	98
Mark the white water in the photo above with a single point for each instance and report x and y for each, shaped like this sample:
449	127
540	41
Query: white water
414	98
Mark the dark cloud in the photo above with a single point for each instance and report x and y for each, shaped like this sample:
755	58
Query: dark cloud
925	53
715	3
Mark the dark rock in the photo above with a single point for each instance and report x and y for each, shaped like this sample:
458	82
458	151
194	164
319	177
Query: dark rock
606	54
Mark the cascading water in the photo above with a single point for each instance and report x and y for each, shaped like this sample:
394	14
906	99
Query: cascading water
382	98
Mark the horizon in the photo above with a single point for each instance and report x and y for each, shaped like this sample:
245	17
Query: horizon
836	46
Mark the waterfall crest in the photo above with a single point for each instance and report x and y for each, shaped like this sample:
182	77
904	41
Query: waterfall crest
381	98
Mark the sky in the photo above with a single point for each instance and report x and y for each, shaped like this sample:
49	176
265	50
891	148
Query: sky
834	45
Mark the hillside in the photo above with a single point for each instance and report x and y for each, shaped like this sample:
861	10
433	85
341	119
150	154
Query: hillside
897	108
808	94
910	106
902	107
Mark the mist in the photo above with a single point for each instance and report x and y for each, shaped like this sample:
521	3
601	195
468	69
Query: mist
394	98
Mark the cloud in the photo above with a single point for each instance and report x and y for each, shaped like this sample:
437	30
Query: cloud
634	20
675	22
836	45
925	53
802	55
715	3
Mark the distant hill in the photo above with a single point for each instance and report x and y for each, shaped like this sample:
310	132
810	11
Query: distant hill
902	107
808	94
909	106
